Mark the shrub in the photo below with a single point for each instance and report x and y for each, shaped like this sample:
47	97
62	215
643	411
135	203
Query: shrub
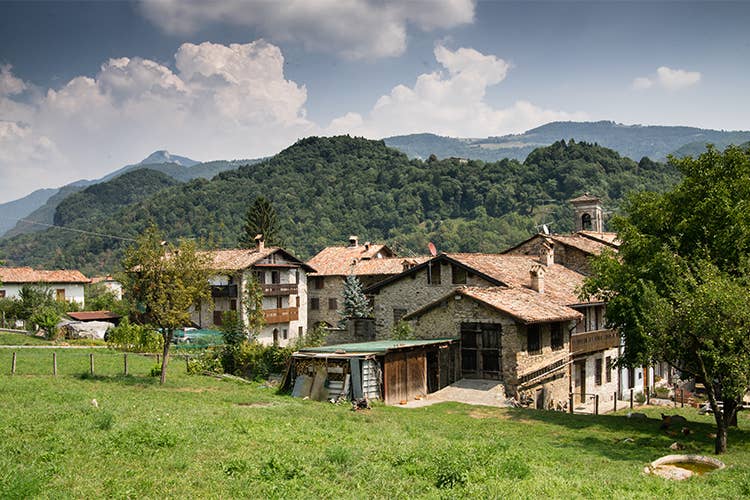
210	360
47	319
136	338
253	360
232	328
402	331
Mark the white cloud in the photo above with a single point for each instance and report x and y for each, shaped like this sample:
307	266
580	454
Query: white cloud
669	79
9	84
354	29
221	102
450	102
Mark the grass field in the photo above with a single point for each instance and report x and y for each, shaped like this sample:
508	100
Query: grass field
203	437
11	338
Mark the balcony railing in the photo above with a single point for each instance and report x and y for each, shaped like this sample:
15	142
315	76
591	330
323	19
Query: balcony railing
219	291
284	315
276	289
597	340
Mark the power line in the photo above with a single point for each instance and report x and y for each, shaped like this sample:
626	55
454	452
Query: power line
63	228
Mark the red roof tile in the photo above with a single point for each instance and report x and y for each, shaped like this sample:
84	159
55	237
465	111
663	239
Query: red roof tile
29	275
361	260
526	305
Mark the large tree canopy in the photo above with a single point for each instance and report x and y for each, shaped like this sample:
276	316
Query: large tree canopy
678	289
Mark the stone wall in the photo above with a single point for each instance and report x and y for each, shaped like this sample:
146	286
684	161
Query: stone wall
444	321
333	287
412	292
567	256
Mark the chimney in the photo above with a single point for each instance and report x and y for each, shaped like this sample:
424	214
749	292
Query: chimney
537	278
259	243
367	246
547	253
353	242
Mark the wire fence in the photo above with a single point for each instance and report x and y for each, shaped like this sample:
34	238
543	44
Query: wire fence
85	362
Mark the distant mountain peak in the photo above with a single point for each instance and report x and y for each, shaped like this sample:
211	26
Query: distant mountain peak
164	156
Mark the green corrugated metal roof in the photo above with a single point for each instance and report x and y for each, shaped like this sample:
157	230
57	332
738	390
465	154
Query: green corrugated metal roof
378	346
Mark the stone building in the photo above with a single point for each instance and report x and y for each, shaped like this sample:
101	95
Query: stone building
283	279
515	335
371	263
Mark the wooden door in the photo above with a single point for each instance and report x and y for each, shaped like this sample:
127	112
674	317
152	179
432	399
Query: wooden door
481	350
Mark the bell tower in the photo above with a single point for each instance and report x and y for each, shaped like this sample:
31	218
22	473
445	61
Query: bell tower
588	213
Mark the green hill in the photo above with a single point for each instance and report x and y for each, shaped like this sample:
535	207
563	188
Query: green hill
325	189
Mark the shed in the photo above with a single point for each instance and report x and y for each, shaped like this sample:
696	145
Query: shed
391	370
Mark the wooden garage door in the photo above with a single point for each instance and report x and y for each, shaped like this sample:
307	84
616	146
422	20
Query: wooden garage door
481	350
405	376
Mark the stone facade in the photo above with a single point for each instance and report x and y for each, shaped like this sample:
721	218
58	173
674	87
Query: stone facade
320	292
414	292
445	320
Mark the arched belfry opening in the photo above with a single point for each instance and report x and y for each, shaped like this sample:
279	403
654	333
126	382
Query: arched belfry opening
588	213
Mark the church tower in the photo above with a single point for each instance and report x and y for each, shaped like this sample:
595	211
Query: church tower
588	213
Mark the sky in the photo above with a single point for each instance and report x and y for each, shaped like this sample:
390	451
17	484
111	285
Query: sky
87	87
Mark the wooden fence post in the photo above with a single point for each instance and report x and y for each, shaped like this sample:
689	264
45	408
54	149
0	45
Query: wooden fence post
631	399
615	399
682	397
158	357
648	395
91	363
570	402
125	361
596	404
13	365
54	364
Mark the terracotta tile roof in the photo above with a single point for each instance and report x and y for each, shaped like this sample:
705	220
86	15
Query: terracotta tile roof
560	283
526	305
361	260
243	258
606	237
100	279
29	275
93	315
582	243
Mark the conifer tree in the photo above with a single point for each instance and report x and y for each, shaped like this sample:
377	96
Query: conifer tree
355	303
260	219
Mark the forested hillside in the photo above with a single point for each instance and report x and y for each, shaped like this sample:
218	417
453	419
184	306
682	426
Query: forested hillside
325	189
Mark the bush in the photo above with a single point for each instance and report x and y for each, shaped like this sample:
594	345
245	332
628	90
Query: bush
47	319
128	336
232	328
253	360
210	360
402	331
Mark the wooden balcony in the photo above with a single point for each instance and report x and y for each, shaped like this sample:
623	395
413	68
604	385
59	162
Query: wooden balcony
276	289
598	340
284	315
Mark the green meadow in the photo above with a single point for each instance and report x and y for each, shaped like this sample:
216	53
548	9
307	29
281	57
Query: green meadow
198	436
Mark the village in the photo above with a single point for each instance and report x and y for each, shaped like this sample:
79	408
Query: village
509	328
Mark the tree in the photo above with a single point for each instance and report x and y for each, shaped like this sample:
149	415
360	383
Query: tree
165	281
677	290
252	300
355	303
260	219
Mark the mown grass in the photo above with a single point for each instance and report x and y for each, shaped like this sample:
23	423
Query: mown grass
201	437
22	339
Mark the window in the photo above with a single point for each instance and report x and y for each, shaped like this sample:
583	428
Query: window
459	275
275	277
233	305
300	332
533	339
398	314
218	320
60	294
314	303
296	276
261	277
333	304
318	282
284	334
586	222
297	300
2	294
279	302
433	273
609	369
557	337
598	371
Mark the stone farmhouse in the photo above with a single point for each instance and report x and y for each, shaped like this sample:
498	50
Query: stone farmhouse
64	284
283	279
371	263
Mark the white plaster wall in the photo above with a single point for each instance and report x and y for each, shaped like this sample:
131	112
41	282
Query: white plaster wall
73	291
